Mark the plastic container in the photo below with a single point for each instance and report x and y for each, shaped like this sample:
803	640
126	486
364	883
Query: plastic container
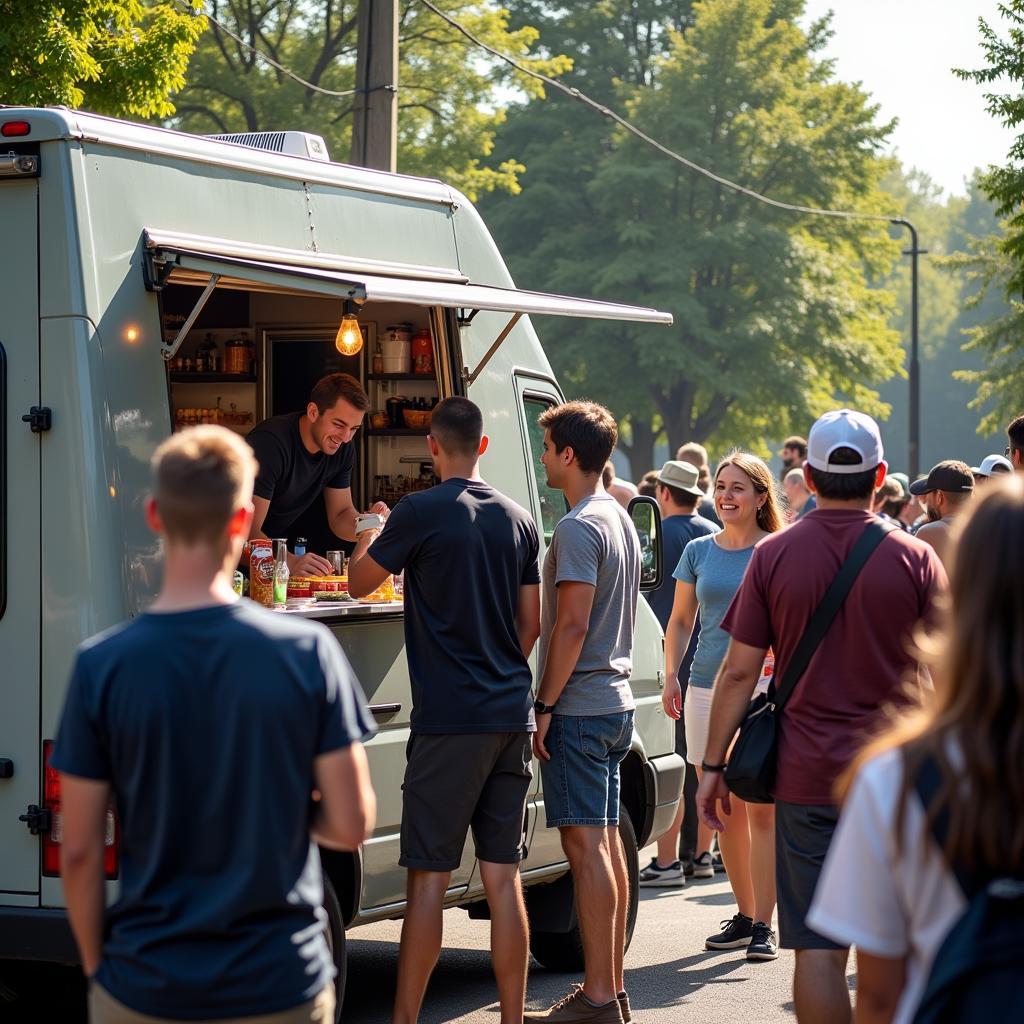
396	356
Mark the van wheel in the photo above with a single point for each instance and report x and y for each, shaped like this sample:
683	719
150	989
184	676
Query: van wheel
334	932
563	951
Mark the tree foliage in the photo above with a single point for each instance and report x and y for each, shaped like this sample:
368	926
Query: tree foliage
775	314
118	57
998	262
447	116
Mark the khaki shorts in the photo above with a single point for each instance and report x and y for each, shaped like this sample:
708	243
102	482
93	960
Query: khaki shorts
105	1009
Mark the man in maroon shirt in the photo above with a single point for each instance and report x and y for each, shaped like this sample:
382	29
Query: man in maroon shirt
860	666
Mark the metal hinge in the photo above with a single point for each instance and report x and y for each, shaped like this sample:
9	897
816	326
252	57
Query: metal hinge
37	818
39	418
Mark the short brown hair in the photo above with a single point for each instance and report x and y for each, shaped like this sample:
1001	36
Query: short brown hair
201	477
457	425
692	451
648	486
683	499
608	473
1015	434
798	442
587	428
327	390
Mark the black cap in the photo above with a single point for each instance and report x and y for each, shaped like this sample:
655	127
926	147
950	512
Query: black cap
951	475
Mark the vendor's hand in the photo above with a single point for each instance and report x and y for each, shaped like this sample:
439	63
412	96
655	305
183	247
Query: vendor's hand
310	565
381	509
672	698
539	750
711	790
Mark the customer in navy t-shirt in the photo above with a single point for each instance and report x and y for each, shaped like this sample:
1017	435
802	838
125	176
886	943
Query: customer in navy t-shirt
472	616
210	721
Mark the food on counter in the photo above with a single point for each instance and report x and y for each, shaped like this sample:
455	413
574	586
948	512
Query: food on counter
261	571
331	595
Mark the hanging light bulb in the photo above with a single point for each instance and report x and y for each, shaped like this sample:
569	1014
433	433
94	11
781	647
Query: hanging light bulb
349	339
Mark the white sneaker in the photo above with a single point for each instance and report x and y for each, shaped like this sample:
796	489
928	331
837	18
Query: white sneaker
654	877
703	867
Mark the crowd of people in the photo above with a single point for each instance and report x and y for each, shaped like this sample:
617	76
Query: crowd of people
896	778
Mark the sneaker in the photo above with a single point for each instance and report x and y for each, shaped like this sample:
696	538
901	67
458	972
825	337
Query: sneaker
703	867
654	877
624	1009
735	933
576	1008
763	945
717	863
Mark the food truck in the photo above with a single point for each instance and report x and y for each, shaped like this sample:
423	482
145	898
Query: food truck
152	279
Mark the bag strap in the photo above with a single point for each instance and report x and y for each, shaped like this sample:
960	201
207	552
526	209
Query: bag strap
824	615
927	784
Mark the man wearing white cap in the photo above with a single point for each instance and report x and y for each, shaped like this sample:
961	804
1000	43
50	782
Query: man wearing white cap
991	465
855	670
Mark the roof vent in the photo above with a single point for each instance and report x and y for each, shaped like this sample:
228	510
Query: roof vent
304	144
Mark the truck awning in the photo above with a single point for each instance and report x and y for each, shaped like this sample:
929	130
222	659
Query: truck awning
220	263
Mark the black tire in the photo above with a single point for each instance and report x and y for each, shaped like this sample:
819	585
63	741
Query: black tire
334	932
563	951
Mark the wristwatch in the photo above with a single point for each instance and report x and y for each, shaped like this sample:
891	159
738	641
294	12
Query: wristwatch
541	708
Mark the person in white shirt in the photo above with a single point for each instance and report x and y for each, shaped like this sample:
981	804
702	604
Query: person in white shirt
886	887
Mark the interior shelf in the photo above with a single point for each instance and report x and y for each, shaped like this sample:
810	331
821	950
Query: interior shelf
426	377
183	377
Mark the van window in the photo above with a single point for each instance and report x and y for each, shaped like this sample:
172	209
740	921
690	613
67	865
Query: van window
551	501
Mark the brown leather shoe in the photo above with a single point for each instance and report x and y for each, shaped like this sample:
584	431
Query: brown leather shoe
576	1008
624	1008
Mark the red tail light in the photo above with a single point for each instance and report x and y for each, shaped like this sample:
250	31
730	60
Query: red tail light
52	838
15	129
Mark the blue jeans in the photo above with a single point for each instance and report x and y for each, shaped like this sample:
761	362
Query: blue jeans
581	781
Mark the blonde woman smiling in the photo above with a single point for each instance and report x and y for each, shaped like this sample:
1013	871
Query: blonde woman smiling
707	578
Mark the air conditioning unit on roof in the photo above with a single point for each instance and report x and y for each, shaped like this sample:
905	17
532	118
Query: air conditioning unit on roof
304	144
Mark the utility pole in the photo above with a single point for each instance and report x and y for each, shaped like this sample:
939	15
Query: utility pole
375	129
914	369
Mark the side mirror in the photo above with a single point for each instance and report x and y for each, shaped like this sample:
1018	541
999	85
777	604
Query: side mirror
646	518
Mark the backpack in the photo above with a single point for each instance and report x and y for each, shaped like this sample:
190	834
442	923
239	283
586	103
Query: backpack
978	972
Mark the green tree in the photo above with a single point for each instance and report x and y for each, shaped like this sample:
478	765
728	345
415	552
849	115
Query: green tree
119	57
998	262
775	314
447	115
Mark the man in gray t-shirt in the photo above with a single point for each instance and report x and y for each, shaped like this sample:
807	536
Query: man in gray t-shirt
596	544
584	707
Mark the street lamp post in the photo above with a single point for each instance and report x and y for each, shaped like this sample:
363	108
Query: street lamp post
914	436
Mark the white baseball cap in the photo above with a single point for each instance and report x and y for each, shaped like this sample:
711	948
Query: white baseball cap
845	428
993	464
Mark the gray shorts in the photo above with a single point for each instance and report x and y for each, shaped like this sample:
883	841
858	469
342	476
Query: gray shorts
457	782
803	833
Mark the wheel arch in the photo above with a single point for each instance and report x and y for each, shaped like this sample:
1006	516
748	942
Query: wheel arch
345	870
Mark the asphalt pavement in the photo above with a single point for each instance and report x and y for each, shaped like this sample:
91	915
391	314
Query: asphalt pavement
669	974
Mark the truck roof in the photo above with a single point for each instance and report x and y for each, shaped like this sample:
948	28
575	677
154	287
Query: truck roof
50	124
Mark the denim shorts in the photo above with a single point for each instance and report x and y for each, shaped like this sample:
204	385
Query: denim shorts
581	781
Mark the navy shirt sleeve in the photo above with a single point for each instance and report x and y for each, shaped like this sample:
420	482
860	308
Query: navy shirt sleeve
80	749
346	718
342	475
399	539
270	453
531	564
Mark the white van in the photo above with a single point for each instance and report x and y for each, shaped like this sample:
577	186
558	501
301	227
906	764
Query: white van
151	279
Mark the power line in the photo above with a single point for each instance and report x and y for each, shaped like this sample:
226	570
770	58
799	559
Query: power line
270	60
576	94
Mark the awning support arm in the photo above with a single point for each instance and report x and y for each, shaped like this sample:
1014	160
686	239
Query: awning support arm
169	351
471	377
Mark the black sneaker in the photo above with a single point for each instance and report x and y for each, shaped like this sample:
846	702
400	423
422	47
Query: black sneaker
735	933
686	860
763	945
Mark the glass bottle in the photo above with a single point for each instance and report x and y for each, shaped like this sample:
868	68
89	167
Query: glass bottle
378	359
281	573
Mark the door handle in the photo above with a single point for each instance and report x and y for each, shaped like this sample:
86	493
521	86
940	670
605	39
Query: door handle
385	711
6	768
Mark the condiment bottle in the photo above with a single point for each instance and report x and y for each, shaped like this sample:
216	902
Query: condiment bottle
281	573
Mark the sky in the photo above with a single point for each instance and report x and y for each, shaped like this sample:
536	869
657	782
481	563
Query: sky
902	51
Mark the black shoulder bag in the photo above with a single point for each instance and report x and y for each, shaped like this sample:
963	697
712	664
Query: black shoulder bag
750	773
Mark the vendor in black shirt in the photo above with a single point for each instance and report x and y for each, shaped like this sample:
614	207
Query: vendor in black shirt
305	454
